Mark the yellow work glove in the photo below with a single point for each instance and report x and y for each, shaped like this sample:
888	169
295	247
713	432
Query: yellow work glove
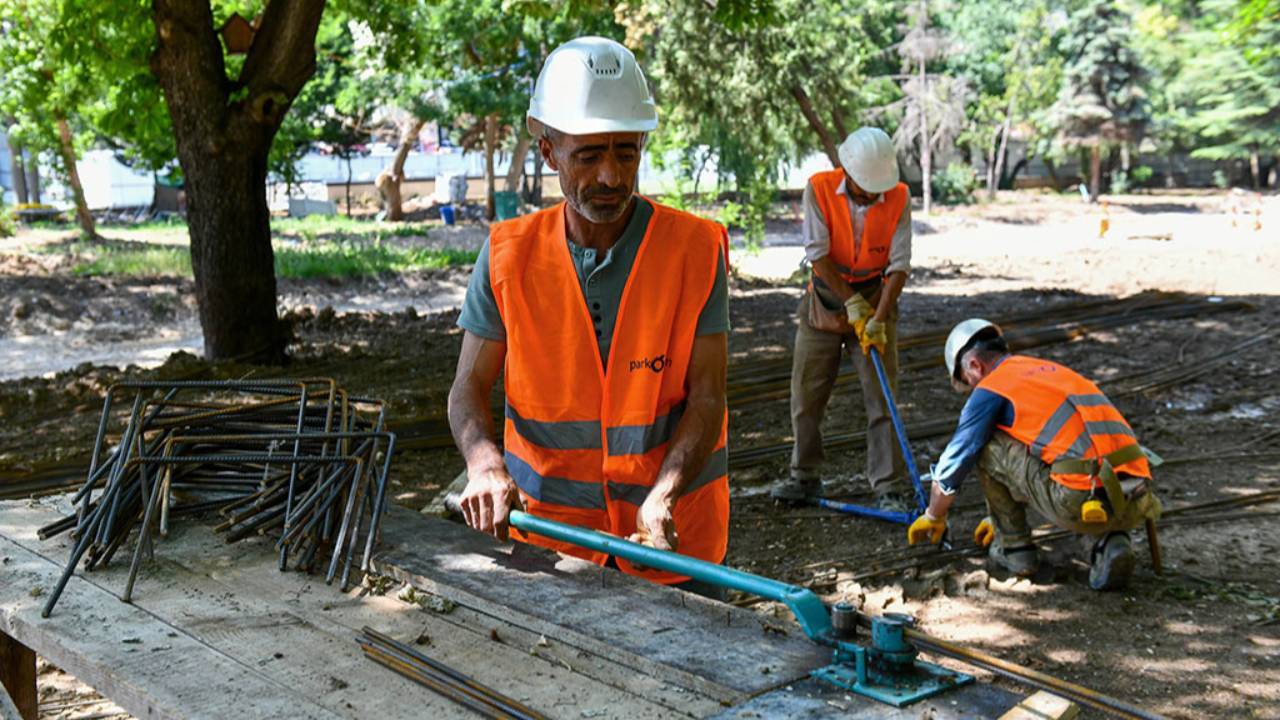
926	528
873	334
984	533
858	310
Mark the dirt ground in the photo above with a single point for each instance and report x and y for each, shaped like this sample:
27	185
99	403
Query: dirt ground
1203	640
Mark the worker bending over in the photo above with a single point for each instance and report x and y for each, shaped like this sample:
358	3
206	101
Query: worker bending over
608	315
1044	437
857	233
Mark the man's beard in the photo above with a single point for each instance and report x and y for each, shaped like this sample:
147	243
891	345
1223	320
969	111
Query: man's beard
600	215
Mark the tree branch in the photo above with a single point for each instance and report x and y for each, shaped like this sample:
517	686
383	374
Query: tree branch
189	66
282	58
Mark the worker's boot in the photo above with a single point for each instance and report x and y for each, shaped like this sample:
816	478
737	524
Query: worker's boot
797	490
1111	562
1022	561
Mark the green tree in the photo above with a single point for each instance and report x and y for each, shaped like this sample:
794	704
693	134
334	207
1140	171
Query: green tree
759	93
1233	82
1102	103
44	94
1008	51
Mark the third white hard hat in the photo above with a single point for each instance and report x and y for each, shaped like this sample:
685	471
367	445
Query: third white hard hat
960	336
869	158
593	85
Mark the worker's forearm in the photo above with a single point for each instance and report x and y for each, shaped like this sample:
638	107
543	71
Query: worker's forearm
889	293
825	269
694	439
471	422
940	502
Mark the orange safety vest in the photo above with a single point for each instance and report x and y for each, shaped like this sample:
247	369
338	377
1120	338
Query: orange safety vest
1058	413
878	225
583	444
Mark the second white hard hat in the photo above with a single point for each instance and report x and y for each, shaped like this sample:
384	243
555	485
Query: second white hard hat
960	336
869	158
593	85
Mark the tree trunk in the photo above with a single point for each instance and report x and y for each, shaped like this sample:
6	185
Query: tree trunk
1126	159
223	143
83	216
1005	129
389	180
1053	174
19	174
1169	180
926	157
33	179
348	159
515	173
490	146
824	135
1254	171
991	164
837	119
1095	171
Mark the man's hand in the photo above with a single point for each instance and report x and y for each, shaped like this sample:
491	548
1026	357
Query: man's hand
487	501
873	334
858	309
655	525
984	533
926	528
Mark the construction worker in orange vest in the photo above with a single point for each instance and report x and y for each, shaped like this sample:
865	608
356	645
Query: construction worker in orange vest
1044	437
857	231
608	316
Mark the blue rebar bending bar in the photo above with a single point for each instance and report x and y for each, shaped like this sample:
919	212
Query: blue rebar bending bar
922	500
812	615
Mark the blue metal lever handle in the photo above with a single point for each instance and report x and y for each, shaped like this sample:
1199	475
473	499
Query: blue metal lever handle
901	431
804	604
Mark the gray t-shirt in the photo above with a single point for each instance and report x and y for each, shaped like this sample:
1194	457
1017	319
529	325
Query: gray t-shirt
602	278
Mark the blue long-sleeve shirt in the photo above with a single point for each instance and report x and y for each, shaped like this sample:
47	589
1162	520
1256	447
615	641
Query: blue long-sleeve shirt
982	412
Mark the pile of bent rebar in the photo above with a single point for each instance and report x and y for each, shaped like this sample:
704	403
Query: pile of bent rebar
298	460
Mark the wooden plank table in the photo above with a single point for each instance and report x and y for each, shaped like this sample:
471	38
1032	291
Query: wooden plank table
216	631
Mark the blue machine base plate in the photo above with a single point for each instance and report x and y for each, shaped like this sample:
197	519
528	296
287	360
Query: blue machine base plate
922	681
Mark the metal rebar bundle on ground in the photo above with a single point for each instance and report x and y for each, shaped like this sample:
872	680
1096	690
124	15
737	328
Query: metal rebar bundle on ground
297	459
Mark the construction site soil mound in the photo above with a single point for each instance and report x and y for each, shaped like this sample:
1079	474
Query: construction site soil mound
1191	364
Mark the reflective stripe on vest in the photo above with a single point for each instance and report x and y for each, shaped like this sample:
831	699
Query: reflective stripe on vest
879	223
583	444
1060	414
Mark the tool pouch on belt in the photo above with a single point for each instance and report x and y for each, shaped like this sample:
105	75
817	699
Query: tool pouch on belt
1103	469
820	318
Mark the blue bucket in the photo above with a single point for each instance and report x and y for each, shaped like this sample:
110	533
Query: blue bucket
446	213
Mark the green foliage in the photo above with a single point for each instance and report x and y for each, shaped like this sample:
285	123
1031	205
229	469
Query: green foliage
1142	174
733	90
6	220
1236	109
324	260
955	184
1102	100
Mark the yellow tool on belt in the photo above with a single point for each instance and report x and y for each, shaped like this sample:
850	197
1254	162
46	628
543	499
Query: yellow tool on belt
1093	512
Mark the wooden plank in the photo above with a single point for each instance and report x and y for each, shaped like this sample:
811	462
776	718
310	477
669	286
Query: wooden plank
1043	706
18	678
300	633
717	650
147	666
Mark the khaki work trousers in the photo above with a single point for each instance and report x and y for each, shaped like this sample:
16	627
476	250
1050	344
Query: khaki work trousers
814	368
1013	479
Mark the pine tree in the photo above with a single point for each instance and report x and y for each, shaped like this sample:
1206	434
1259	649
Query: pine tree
1102	103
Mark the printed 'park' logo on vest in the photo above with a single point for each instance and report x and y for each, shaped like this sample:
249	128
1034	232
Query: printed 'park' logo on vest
657	364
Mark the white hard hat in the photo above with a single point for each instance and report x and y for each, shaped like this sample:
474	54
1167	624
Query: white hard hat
869	158
960	336
593	85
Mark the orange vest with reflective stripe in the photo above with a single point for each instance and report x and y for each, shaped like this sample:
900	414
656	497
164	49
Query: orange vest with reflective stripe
584	444
878	225
1057	413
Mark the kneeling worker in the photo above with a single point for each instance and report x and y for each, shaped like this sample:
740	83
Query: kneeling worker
1043	436
608	317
